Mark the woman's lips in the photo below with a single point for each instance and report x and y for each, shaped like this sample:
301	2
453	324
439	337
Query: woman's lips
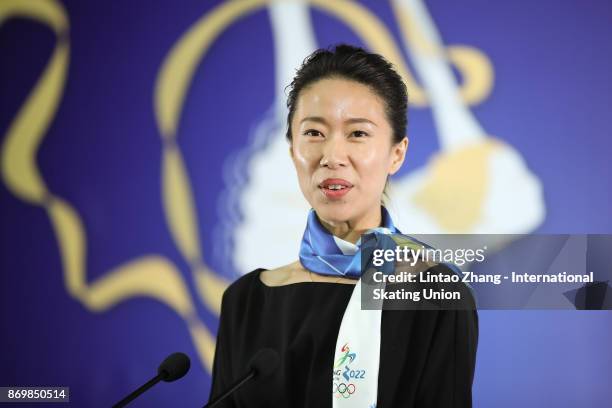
335	188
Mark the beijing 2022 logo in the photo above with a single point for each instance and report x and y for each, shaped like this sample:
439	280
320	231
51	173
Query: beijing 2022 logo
346	375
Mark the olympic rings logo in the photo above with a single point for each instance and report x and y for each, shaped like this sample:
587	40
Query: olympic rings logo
344	390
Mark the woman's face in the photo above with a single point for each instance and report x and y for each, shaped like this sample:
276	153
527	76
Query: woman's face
342	150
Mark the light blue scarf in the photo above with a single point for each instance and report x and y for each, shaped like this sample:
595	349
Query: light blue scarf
324	254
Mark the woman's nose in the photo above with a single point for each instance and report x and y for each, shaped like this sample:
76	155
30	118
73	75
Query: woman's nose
334	153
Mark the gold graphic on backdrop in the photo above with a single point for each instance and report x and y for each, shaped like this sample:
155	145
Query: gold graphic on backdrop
154	275
454	198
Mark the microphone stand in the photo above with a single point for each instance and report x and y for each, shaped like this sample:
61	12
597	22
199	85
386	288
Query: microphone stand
233	388
139	391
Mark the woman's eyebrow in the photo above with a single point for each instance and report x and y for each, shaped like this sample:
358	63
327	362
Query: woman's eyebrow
318	119
360	120
322	120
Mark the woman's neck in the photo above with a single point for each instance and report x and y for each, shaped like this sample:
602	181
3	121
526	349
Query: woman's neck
351	230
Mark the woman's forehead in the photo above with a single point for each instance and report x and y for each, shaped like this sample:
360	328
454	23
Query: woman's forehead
331	100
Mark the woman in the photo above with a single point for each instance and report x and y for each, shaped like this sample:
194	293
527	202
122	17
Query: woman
347	135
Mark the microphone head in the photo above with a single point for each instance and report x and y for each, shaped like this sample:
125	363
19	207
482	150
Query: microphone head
264	362
174	367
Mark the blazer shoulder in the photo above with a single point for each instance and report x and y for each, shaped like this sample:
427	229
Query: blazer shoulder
238	288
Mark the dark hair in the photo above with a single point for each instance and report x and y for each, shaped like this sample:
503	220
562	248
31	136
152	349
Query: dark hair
354	63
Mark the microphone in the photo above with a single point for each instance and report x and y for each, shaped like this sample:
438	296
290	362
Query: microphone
263	364
175	366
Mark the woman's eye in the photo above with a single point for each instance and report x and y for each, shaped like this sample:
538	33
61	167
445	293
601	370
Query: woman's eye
312	132
359	133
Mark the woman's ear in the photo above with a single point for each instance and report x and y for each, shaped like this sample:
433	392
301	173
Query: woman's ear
398	152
